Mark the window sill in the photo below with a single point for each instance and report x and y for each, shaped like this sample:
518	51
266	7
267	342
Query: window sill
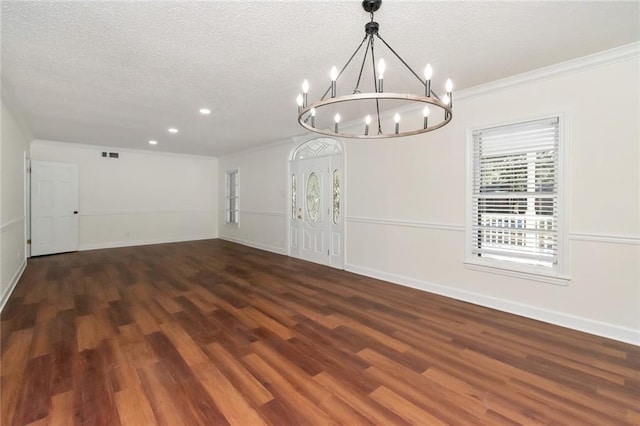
545	278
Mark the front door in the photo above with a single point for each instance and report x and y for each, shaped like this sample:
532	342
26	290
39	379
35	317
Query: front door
54	207
313	209
316	224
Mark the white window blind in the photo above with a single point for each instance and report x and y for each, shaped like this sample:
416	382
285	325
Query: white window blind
515	193
232	197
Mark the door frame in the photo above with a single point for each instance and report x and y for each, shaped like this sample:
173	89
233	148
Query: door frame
27	206
338	155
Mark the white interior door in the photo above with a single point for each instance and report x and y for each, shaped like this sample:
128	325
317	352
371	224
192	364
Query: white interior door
54	207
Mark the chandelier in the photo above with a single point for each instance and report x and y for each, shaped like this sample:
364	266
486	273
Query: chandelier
319	116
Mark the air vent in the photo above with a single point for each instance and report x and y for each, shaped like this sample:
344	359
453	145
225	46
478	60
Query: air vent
110	154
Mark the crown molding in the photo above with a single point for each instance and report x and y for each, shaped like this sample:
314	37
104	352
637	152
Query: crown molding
91	147
607	57
289	141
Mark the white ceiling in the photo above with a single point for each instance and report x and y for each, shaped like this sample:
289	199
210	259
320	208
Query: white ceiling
121	73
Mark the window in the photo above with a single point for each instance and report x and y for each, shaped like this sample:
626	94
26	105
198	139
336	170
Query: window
232	197
514	215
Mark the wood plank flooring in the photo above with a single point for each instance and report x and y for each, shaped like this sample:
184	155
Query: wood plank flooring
214	333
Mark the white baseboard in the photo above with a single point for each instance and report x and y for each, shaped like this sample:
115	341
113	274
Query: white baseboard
611	331
260	246
12	284
133	243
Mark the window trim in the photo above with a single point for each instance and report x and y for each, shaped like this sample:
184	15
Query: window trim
558	275
227	198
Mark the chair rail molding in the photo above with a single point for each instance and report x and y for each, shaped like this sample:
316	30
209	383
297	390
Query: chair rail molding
605	238
407	223
12	222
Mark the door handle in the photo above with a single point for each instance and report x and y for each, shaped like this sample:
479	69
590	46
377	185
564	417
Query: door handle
75	212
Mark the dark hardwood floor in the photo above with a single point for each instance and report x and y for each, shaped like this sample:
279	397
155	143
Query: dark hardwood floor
212	333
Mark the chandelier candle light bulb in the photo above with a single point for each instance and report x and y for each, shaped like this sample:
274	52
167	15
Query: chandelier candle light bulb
446	100
374	100
425	114
305	91
367	121
334	77
428	73
300	102
381	69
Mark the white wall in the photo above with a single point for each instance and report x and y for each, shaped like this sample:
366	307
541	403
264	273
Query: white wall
14	144
262	197
140	198
406	200
424	189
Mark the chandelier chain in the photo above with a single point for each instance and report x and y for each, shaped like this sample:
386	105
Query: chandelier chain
366	51
375	86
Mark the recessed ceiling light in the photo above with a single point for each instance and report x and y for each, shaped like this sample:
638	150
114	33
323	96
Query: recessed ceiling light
153	142
173	130
205	111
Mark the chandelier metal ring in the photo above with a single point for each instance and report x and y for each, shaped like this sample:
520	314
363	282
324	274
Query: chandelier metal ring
303	115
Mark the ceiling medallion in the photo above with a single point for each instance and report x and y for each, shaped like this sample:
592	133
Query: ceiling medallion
319	116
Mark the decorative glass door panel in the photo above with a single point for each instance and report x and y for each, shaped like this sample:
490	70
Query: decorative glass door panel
313	197
336	197
312	224
294	196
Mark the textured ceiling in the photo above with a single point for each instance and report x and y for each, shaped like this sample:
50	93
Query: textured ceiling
121	73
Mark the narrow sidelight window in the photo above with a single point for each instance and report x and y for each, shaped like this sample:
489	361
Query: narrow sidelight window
232	197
